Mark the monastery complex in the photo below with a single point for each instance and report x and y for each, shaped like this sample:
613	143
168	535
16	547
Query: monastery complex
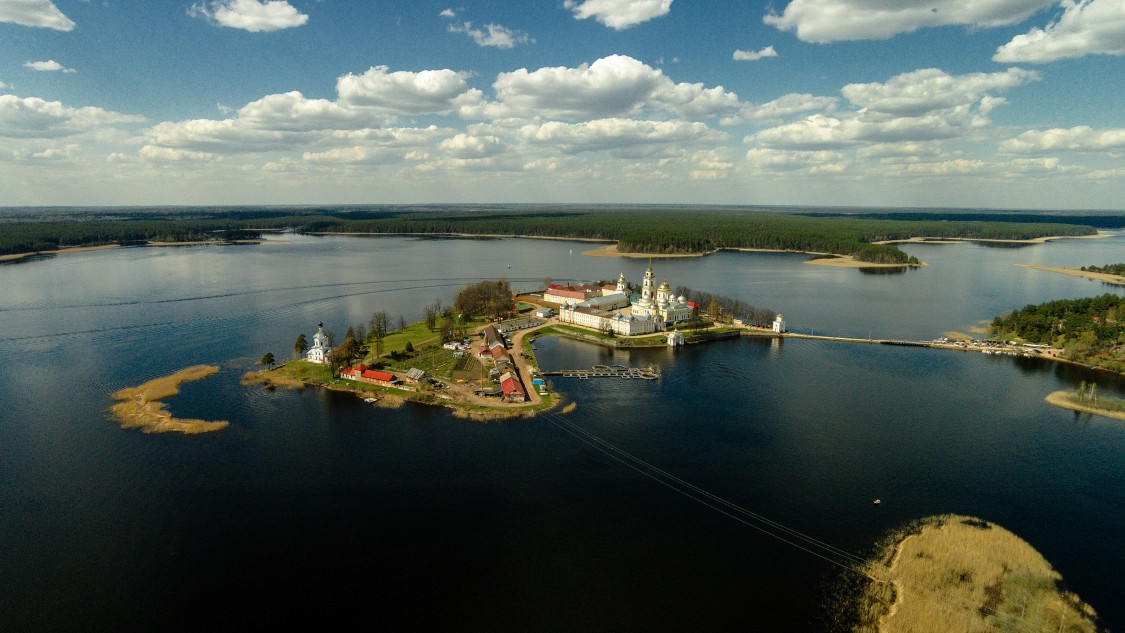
613	309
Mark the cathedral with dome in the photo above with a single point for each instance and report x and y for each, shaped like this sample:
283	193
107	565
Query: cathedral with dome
660	304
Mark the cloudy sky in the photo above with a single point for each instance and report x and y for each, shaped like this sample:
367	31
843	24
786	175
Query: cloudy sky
953	103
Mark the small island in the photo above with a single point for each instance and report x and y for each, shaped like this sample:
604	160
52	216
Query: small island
958	573
142	407
1085	399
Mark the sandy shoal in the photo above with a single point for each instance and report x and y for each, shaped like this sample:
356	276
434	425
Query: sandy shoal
141	406
61	251
1117	280
847	261
1062	399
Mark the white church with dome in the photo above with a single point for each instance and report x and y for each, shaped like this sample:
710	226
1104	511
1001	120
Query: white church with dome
318	353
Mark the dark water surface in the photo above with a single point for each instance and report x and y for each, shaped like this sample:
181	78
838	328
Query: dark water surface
314	503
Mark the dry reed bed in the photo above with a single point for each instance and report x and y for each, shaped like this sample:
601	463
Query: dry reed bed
959	574
141	406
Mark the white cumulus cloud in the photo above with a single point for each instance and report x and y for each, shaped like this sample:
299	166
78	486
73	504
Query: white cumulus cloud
619	136
493	35
48	66
833	20
1087	27
473	146
250	15
1076	139
613	86
32	117
619	14
782	107
153	153
408	93
931	89
753	56
39	13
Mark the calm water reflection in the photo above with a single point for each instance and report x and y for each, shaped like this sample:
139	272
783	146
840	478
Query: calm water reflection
315	502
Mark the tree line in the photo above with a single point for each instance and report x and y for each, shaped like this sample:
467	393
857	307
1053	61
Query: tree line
1110	269
722	307
636	229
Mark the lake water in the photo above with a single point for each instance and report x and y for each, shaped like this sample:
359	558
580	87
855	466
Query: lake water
313	503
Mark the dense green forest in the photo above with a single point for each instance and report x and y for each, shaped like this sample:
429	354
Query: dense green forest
636	229
1110	269
1089	330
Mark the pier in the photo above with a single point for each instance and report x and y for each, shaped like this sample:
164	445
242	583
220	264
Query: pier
604	372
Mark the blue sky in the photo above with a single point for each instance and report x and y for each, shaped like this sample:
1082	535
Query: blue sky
949	103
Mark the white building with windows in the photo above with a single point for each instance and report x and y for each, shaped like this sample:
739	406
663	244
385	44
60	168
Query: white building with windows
318	353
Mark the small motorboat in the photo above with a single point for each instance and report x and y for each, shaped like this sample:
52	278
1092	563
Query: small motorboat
877	502
370	400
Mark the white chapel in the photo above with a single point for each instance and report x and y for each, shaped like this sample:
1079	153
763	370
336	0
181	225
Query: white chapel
318	353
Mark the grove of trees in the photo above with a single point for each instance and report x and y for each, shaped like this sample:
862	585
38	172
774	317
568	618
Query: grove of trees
488	298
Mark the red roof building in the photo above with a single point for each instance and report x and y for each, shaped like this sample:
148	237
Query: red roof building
511	389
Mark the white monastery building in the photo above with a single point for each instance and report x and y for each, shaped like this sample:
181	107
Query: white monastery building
318	353
655	308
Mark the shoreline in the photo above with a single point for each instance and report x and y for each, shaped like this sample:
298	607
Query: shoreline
819	259
153	244
1062	400
956	240
1116	280
62	251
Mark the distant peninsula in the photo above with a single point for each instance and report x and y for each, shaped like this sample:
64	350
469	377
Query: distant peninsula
659	230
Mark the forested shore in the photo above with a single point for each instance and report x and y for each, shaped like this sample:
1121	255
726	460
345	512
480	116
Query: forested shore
1089	330
660	230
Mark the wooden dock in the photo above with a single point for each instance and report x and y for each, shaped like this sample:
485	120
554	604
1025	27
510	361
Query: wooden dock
585	374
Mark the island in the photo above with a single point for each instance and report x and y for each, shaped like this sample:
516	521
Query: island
959	573
477	358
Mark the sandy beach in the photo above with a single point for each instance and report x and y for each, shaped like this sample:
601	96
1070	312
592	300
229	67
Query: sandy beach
610	250
61	251
1116	280
847	261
